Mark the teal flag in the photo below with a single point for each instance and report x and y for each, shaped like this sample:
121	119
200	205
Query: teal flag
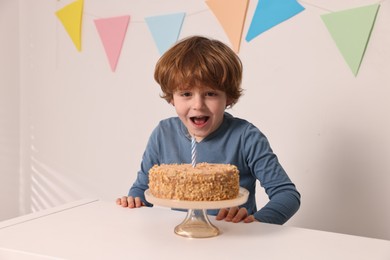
165	29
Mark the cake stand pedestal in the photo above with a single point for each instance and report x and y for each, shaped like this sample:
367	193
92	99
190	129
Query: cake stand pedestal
197	224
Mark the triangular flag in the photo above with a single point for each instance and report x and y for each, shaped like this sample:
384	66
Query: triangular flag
351	30
165	29
231	15
71	18
270	13
112	32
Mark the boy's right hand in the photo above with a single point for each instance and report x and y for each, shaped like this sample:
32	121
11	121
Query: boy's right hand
130	202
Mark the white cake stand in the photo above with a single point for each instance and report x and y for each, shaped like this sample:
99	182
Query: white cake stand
197	224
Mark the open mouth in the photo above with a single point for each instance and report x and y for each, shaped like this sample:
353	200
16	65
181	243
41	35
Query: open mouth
199	120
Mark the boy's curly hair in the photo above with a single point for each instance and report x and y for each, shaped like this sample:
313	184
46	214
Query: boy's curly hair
198	61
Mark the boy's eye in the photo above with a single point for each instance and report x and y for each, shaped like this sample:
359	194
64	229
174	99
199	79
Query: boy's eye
186	94
211	94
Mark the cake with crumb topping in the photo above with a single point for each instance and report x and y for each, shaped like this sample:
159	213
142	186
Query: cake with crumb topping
204	182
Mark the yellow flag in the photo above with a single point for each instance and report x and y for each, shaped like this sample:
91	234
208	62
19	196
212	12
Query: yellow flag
71	18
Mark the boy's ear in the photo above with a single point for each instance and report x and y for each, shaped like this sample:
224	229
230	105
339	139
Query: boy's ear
172	103
229	101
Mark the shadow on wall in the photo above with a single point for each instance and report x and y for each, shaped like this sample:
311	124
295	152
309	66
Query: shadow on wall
42	186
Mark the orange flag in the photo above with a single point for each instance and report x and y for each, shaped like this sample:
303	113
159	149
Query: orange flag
231	15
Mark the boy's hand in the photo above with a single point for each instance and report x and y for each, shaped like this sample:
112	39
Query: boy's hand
235	215
130	202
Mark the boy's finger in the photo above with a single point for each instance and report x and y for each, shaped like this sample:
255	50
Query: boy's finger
241	215
249	219
232	212
222	213
130	202
123	201
138	202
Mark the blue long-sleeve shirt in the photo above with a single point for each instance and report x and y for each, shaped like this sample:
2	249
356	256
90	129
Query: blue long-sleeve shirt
236	142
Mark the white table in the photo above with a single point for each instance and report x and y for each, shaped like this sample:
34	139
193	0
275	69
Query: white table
94	229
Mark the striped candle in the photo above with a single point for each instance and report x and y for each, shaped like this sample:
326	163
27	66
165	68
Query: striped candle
193	151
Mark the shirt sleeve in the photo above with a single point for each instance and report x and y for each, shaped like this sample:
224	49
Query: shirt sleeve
149	158
284	199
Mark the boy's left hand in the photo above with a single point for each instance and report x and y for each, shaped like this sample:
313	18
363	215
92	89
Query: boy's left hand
235	215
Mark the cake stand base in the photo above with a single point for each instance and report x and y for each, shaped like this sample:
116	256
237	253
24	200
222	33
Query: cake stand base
196	225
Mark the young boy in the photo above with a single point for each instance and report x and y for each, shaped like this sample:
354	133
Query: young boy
201	77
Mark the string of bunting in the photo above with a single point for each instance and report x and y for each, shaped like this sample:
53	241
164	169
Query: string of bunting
350	28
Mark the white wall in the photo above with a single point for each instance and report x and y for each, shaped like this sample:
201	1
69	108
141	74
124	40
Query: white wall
9	109
84	128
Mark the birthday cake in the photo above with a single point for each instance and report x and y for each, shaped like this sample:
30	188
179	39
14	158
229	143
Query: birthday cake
204	182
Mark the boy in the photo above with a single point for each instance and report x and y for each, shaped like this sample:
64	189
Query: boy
201	77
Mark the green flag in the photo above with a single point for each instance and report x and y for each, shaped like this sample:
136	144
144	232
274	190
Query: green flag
351	30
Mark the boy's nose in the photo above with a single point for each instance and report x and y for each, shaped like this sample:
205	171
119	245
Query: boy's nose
198	102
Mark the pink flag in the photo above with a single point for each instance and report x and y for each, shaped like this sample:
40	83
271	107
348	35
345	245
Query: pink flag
112	32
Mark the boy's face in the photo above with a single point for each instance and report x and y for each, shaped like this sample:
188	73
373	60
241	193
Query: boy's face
200	109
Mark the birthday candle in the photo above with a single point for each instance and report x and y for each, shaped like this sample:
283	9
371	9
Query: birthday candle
193	151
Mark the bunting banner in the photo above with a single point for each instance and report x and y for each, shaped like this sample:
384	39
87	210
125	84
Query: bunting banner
351	30
165	29
231	15
112	32
270	13
71	18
